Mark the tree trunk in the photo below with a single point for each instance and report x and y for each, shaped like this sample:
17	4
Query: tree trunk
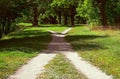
103	17
72	15
101	5
55	21
72	20
117	20
52	20
7	28
1	31
35	15
59	18
65	20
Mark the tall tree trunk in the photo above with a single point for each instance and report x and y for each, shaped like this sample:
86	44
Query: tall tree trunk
3	23
7	28
117	20
103	17
55	21
101	5
59	18
1	31
72	20
35	15
65	20
72	15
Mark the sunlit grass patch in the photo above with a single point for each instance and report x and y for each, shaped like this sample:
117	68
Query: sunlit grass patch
101	47
55	27
24	24
60	68
46	27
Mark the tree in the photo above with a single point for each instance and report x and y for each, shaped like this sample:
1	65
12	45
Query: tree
57	7
65	8
7	15
117	12
101	4
39	7
9	11
113	12
87	11
35	15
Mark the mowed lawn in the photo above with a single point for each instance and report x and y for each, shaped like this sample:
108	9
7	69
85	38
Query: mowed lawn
20	46
100	47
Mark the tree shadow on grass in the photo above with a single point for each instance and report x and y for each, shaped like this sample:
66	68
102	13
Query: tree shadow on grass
30	33
26	41
80	25
83	37
85	42
52	25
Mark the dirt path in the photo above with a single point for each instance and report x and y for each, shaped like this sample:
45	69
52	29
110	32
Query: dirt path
36	65
33	67
90	71
58	45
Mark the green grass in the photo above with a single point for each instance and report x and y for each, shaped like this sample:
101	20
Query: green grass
11	59
60	68
18	47
25	24
101	47
54	27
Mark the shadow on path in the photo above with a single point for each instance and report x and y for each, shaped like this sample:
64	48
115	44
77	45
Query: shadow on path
58	44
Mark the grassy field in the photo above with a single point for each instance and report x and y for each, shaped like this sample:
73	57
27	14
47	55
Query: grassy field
101	47
20	46
53	27
60	68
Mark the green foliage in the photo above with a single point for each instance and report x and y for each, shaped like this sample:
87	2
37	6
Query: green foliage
87	10
117	9
56	11
64	3
113	11
9	11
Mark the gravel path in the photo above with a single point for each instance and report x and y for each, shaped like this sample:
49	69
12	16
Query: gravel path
58	45
36	65
85	67
33	67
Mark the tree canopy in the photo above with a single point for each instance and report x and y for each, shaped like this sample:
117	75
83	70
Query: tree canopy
67	12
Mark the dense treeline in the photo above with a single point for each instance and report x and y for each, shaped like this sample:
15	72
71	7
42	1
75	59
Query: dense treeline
67	12
10	10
